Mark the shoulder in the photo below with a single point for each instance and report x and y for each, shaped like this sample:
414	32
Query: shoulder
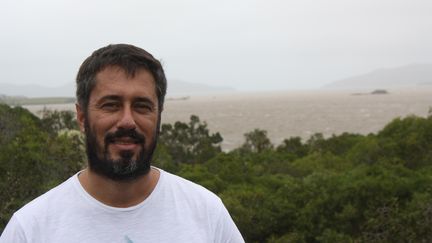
46	204
188	188
203	205
13	232
189	196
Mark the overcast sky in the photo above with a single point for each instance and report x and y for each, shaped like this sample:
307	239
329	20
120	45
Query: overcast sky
244	44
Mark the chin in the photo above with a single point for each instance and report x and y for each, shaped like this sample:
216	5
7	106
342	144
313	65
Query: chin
117	163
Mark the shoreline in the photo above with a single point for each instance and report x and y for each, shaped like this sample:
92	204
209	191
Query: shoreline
289	114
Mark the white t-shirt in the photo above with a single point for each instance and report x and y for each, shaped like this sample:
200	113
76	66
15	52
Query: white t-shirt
176	211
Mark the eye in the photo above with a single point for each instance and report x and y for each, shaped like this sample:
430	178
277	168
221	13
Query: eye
110	106
143	107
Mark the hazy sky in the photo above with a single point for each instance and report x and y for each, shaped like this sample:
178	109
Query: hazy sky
244	44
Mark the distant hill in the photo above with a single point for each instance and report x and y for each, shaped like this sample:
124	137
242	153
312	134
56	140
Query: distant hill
34	90
21	100
182	88
175	88
399	77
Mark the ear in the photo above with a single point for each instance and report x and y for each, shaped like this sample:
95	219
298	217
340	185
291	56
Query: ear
80	117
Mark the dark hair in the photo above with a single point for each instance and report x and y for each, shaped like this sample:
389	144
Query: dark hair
128	57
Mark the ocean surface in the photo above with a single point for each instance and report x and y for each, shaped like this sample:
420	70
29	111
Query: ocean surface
292	113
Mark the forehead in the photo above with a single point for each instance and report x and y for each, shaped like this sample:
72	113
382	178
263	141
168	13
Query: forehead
114	80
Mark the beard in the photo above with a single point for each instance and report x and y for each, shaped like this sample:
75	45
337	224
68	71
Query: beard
126	168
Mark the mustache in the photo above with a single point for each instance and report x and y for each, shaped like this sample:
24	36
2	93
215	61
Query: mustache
122	133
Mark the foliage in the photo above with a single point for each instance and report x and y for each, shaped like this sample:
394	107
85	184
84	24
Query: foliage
256	142
345	188
56	121
33	159
293	146
190	142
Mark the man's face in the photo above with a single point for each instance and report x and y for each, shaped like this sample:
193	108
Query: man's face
121	123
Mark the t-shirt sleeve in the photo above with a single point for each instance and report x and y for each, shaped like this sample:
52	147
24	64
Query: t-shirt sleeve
13	233
226	230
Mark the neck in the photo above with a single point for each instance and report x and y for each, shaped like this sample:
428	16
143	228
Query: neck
120	194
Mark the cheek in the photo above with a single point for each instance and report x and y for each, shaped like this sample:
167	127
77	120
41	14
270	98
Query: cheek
104	124
99	130
149	129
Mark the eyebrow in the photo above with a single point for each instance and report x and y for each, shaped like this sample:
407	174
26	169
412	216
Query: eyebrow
109	97
119	98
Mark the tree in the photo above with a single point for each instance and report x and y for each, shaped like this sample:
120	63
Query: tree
256	141
190	142
409	139
294	146
32	160
55	121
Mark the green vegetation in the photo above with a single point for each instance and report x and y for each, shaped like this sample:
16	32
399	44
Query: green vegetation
346	188
34	157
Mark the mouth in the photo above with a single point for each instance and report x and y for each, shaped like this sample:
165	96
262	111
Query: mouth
125	140
125	143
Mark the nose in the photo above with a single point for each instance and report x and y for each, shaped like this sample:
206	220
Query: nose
127	120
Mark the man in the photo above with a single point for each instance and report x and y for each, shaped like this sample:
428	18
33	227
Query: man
119	197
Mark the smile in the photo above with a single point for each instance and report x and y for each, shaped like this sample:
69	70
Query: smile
124	146
121	142
125	141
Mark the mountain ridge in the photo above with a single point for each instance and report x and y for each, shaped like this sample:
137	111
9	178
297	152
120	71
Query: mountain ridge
175	88
412	75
